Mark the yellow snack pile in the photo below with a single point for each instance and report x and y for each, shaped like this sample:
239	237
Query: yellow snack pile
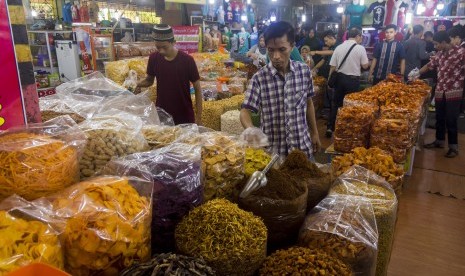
23	242
108	227
255	160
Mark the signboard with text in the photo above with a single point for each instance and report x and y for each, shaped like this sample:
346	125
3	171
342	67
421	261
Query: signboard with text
12	111
187	38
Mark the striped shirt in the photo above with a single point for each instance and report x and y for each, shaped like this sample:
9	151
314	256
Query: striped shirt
282	104
389	54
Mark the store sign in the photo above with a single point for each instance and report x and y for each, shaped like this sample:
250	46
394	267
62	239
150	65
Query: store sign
187	38
198	2
12	112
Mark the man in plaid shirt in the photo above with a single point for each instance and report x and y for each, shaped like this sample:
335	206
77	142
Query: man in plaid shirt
282	93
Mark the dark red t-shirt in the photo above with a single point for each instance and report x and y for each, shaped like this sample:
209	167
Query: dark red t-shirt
173	85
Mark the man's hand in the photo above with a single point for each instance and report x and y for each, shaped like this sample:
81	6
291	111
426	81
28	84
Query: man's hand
314	72
313	53
370	78
254	137
316	143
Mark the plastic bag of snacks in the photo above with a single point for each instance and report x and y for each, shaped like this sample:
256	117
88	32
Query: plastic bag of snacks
40	159
230	240
107	224
343	227
231	123
352	127
175	172
53	106
159	136
110	134
303	261
373	159
26	236
130	83
123	51
138	105
147	50
223	159
166	264
361	182
301	169
282	205
117	71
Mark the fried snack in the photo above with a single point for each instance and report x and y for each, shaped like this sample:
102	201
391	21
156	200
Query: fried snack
319	81
117	71
373	159
160	136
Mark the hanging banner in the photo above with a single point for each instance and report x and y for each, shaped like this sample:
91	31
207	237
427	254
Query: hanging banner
18	96
198	2
187	38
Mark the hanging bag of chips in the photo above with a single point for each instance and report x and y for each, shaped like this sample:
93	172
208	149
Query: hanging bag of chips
175	172
26	236
40	159
343	227
107	223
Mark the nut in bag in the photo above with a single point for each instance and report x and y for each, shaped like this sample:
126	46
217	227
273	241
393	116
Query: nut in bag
40	159
343	227
363	183
175	172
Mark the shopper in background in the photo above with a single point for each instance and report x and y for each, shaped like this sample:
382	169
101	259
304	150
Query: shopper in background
174	71
428	38
282	92
415	50
305	53
258	52
388	57
348	79
457	35
322	68
450	63
314	43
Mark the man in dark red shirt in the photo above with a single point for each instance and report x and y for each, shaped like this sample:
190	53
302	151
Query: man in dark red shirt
450	64
174	70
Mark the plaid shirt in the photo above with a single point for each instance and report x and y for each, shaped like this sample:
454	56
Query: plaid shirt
282	103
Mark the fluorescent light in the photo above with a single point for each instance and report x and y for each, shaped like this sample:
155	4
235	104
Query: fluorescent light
244	17
249	2
304	17
33	13
211	2
274	0
408	18
273	18
362	2
137	19
420	9
440	6
340	9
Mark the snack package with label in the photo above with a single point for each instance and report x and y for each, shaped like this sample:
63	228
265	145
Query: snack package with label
358	181
111	134
343	227
27	236
107	225
175	172
40	159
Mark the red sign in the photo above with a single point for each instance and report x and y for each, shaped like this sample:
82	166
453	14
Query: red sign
12	111
187	38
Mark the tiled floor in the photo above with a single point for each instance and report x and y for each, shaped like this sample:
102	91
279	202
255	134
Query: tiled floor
430	231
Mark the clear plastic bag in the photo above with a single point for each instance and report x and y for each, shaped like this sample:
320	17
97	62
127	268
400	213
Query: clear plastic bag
40	159
364	183
395	131
159	136
175	172
123	51
107	223
354	122
95	85
254	137
26	236
343	227
53	106
346	145
130	83
110	134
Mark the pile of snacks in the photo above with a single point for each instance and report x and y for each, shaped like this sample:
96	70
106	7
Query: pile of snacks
134	50
107	224
361	182
27	241
367	98
343	227
255	160
230	240
352	128
212	110
319	81
170	265
175	173
117	71
394	136
108	137
303	261
282	205
160	136
373	159
303	170
41	159
230	122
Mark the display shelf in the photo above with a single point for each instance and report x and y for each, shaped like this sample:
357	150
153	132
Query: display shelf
38	50
45	68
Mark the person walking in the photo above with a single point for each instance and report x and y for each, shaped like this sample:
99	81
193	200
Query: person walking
282	93
347	61
388	57
415	50
174	71
450	64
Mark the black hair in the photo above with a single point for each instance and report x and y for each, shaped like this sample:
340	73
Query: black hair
329	34
279	29
354	32
390	26
428	33
456	31
417	29
441	36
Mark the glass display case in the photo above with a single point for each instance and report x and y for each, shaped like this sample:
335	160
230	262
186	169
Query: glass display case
102	50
